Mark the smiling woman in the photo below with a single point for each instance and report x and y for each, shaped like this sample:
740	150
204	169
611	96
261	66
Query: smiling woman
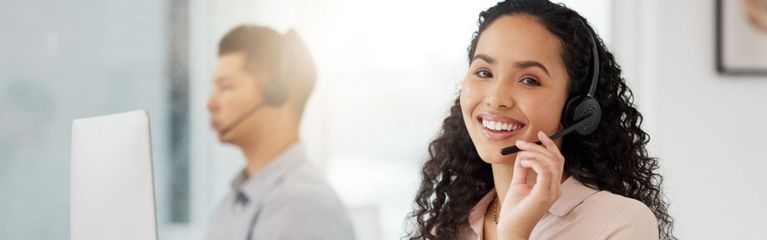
529	60
517	79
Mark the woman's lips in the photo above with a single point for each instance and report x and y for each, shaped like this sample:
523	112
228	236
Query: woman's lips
498	128
498	135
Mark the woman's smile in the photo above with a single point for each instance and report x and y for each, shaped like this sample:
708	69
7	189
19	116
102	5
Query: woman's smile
498	128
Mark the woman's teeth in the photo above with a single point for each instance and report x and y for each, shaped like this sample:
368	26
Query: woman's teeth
500	126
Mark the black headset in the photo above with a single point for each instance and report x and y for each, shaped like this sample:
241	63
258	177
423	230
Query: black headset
585	108
275	91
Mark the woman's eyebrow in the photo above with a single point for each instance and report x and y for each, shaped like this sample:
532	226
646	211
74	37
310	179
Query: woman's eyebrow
519	64
484	57
529	64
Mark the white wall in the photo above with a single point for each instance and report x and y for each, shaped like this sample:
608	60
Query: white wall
706	128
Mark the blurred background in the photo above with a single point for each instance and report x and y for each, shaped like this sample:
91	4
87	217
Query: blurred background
388	71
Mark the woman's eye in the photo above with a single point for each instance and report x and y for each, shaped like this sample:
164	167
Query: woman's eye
530	81
482	73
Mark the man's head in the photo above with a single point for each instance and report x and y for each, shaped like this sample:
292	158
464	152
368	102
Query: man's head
259	69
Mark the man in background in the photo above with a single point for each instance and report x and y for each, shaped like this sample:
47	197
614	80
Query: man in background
262	82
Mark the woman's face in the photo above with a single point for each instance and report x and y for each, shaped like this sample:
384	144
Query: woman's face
515	87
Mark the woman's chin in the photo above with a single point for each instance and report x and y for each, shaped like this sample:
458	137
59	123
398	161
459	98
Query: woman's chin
495	157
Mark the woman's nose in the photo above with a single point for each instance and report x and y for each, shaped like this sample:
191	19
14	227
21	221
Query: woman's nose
499	96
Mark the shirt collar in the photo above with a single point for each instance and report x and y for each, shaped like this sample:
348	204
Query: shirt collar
248	188
477	214
572	191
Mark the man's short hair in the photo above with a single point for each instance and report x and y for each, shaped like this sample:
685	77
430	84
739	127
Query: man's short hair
285	56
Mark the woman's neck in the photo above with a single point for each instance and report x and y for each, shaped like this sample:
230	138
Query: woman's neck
502	175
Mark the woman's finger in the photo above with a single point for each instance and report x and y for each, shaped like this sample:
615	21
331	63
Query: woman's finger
528	146
547	160
549	144
543	180
520	173
552	147
555	167
542	154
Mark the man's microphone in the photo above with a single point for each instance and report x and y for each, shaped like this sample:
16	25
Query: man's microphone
274	95
241	118
583	123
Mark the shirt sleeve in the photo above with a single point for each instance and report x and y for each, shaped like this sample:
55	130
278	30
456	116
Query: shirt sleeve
635	222
303	216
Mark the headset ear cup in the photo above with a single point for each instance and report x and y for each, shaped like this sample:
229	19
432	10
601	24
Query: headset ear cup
585	109
589	110
568	115
275	93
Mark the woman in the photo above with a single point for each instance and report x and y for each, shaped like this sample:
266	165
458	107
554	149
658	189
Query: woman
528	59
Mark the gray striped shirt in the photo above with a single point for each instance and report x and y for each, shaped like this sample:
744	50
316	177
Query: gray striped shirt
288	199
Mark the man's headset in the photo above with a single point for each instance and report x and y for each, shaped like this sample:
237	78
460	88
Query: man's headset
582	113
274	91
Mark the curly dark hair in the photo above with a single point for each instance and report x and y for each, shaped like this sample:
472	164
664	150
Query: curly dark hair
613	158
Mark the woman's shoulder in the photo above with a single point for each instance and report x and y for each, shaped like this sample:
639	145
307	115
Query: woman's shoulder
617	205
583	199
622	217
603	215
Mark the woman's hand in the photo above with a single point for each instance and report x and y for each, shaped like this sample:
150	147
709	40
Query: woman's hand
526	202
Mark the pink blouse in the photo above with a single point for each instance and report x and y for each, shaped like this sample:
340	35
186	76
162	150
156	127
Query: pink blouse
580	213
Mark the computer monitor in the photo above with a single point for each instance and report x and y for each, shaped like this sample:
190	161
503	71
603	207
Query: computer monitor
111	183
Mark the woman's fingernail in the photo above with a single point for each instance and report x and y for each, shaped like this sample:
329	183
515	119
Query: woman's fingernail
524	162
